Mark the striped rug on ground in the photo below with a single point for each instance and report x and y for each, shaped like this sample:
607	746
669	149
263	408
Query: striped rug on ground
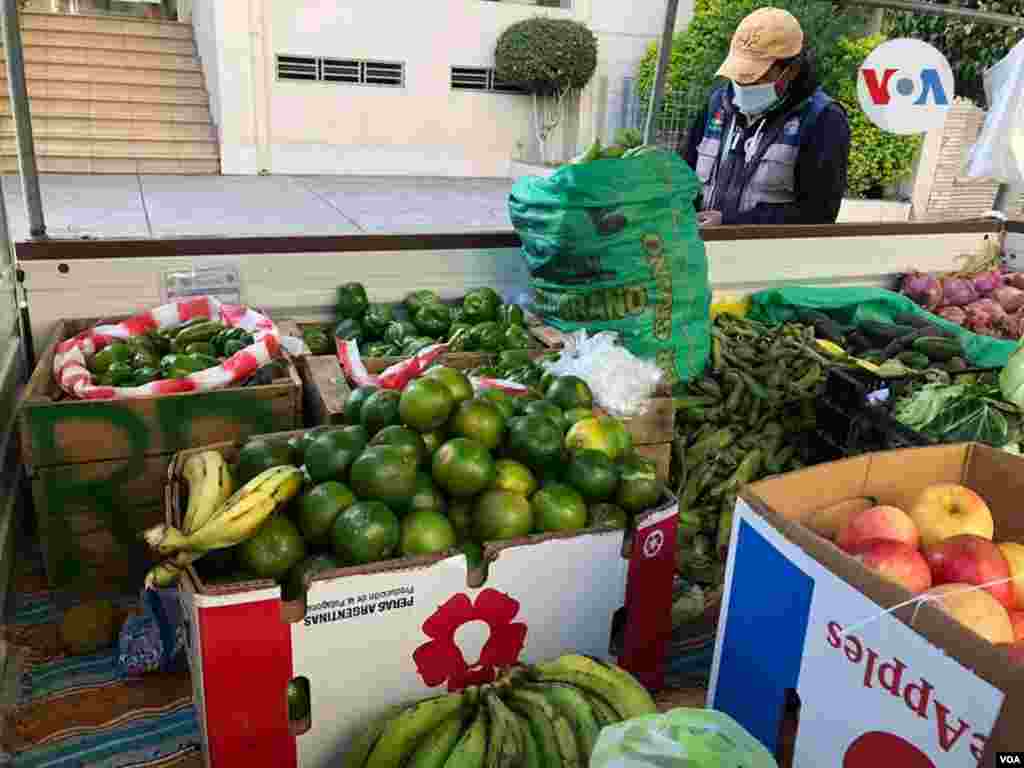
78	711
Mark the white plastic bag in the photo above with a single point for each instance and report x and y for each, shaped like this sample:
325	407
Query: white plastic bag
620	381
681	738
999	152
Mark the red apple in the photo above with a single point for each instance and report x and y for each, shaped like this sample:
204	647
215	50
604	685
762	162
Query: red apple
970	559
948	509
881	522
1017	622
1015	651
976	609
895	562
1014	554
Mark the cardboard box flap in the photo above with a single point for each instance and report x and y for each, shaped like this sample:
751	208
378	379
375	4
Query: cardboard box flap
997	476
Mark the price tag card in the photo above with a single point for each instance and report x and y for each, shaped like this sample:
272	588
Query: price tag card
221	279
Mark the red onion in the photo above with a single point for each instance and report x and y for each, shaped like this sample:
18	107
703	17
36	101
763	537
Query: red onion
1015	279
1011	299
984	316
986	282
957	292
923	289
953	314
1013	325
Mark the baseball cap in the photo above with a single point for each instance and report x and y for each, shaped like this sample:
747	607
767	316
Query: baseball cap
763	37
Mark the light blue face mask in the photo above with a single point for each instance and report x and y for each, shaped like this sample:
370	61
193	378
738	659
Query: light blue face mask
754	99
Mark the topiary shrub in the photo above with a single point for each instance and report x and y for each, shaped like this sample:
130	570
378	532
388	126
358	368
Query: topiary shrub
550	59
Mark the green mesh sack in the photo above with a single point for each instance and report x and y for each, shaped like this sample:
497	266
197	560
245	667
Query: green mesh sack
612	245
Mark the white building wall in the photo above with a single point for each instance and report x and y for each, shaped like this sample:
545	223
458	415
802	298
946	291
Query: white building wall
425	128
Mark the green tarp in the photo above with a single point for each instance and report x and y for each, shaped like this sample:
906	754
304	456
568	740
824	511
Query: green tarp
852	305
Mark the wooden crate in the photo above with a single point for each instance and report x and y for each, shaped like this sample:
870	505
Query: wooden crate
98	467
326	390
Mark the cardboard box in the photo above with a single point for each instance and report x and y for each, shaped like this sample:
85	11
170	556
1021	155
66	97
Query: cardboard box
910	687
98	467
371	637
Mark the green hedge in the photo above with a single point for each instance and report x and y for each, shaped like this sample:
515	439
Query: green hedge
546	56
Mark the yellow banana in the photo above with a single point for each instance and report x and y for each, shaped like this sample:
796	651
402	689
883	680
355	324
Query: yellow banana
433	751
471	750
616	686
240	516
572	704
403	733
535	711
210	484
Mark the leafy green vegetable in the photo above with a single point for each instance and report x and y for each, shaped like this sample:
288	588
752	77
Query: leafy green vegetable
1011	379
956	413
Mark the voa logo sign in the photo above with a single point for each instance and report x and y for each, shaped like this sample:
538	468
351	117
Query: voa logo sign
905	86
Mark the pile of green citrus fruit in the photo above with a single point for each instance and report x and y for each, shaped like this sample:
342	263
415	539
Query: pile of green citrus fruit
436	466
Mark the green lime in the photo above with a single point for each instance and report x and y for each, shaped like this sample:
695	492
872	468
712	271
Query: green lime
501	515
593	474
405	439
306	439
298	699
258	454
427	495
535	441
425	404
569	392
318	509
478	420
295	586
364	533
273	550
606	515
332	452
384	473
558	507
549	411
354	404
577	414
460	513
455	380
506	403
426	532
463	467
639	487
380	410
514	477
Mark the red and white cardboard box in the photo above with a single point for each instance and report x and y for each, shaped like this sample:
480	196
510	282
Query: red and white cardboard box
369	638
911	688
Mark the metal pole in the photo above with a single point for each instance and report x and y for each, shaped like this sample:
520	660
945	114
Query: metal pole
997	19
22	120
661	73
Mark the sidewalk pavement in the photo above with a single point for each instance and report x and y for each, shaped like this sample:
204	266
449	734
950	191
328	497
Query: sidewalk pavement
187	206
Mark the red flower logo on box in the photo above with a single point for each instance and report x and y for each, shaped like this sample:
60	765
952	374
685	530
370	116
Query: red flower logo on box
440	660
880	748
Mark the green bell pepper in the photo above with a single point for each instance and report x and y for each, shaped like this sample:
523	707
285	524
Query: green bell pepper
198	332
432	320
399	330
489	337
512	314
415	344
117	352
317	341
201	348
458	316
456	327
481	305
376	349
145	359
350	330
121	374
352	301
516	337
416	300
146	375
376	320
233	347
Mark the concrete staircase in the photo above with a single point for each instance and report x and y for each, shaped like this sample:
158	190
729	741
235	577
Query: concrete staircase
112	95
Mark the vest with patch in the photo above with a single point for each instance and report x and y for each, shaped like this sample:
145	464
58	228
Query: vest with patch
770	175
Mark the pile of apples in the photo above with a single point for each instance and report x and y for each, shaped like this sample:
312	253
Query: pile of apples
940	547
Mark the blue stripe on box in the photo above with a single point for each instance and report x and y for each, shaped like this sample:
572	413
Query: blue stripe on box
764	635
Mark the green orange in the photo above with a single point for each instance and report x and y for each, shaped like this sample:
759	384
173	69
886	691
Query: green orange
426	532
460	513
535	441
366	532
425	404
406	440
639	487
426	495
478	420
510	475
332	452
273	550
505	402
558	507
379	410
569	392
455	380
591	435
354	403
384	473
577	414
318	509
606	515
548	410
259	454
593	474
463	467
501	515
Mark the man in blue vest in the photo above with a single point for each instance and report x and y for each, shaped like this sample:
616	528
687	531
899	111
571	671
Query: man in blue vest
771	147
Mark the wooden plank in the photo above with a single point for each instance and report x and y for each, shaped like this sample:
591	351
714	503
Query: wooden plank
655	425
61	431
661	455
324	388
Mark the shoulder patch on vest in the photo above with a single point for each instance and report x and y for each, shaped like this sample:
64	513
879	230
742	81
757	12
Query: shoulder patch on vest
792	128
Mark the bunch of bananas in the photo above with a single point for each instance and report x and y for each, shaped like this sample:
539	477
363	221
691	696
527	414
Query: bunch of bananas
217	517
543	716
